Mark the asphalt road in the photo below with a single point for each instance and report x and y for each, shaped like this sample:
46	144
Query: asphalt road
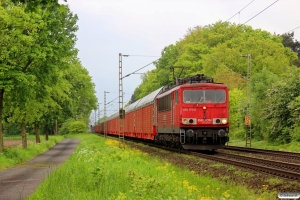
21	181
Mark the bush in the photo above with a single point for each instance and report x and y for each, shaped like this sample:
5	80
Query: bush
73	127
295	134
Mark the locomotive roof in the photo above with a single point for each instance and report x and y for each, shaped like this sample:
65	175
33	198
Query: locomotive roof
213	85
167	90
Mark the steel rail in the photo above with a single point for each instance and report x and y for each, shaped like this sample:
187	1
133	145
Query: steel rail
290	166
262	168
292	155
284	173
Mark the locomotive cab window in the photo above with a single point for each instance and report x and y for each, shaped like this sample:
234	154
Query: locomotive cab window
204	96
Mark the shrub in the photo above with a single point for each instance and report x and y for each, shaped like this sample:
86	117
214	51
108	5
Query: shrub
73	127
295	134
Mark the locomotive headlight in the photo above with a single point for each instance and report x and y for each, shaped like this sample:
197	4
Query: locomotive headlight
189	121
224	121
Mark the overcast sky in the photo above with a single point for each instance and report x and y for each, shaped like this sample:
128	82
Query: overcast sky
145	27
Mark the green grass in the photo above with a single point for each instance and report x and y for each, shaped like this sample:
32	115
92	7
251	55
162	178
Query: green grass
16	155
293	146
99	169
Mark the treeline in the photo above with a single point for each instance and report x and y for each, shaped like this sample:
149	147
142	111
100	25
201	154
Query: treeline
221	51
42	81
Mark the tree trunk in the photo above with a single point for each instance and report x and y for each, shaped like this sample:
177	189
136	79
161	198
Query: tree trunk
37	132
1	125
24	136
47	132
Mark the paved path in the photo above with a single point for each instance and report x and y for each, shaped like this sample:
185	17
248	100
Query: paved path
21	181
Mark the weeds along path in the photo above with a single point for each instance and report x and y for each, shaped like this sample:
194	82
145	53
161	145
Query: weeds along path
21	181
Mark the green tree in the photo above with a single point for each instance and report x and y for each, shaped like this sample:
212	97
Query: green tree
261	83
17	32
236	112
283	99
45	41
32	5
289	41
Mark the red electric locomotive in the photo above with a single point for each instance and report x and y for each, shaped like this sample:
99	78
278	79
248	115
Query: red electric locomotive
192	114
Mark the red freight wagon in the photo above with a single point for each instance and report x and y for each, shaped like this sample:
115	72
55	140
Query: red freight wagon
143	117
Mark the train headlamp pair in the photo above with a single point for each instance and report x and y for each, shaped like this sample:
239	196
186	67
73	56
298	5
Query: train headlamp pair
224	121
220	121
189	121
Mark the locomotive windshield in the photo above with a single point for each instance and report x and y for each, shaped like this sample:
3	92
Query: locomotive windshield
204	96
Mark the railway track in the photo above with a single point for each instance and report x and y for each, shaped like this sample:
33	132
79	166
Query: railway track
291	155
283	165
281	169
259	165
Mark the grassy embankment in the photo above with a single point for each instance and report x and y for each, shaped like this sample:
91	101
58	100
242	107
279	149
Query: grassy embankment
15	155
99	169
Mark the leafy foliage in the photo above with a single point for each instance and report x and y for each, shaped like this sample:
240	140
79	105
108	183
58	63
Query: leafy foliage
294	45
283	109
40	75
261	83
74	127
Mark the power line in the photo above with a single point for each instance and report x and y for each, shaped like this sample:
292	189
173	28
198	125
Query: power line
140	55
293	29
240	11
140	68
260	12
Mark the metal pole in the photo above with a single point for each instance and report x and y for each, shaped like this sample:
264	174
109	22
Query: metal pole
121	119
99	112
105	122
248	124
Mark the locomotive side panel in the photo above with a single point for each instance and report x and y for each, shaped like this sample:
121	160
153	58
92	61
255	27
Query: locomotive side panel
164	122
164	114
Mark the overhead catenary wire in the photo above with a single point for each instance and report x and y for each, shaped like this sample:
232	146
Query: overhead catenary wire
293	29
139	69
240	11
140	56
261	12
